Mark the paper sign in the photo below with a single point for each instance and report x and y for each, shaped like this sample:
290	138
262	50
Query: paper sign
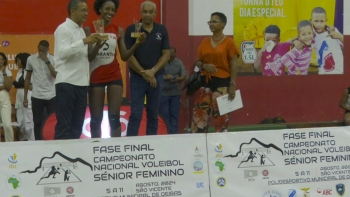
226	106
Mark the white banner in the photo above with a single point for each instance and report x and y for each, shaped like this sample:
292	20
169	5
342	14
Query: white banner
199	12
280	163
346	15
173	165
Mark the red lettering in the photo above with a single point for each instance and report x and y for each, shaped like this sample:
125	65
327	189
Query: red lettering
327	192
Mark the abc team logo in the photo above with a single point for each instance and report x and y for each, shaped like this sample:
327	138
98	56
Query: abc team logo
324	192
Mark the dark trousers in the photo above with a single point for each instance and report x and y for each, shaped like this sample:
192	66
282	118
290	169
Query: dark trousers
138	89
169	109
39	106
71	104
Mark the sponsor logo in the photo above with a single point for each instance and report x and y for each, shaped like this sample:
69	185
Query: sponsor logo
306	192
219	166
13	183
70	190
324	192
13	158
221	182
218	148
107	47
198	167
292	193
265	172
340	189
200	185
197	151
272	193
248	174
51	191
5	43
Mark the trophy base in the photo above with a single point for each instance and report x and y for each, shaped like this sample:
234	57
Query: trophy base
104	37
136	34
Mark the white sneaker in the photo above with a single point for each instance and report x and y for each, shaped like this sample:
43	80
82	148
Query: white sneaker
224	130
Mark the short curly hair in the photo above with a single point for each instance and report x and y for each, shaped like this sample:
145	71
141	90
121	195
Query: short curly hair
23	57
98	4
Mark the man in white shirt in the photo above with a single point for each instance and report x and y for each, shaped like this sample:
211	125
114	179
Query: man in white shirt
40	66
72	66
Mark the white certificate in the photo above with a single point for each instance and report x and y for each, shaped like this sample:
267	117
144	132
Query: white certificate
226	106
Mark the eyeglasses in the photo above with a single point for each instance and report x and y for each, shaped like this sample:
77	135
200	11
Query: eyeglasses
213	22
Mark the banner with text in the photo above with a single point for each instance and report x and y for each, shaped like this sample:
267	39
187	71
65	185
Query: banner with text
279	163
119	167
266	30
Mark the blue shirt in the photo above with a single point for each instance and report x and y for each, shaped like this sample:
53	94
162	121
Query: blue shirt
176	69
149	52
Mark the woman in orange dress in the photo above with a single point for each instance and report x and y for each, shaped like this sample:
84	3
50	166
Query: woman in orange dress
217	57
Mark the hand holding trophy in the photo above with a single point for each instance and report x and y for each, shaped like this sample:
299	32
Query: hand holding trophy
99	28
137	32
141	36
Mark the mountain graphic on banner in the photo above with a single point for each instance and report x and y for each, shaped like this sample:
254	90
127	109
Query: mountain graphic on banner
254	154
58	173
255	159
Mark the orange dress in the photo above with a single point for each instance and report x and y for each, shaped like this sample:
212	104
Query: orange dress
220	57
215	84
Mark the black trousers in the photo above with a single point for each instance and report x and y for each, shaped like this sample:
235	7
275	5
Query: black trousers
71	101
39	107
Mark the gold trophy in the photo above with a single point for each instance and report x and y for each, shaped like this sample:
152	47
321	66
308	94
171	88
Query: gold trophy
137	32
99	28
